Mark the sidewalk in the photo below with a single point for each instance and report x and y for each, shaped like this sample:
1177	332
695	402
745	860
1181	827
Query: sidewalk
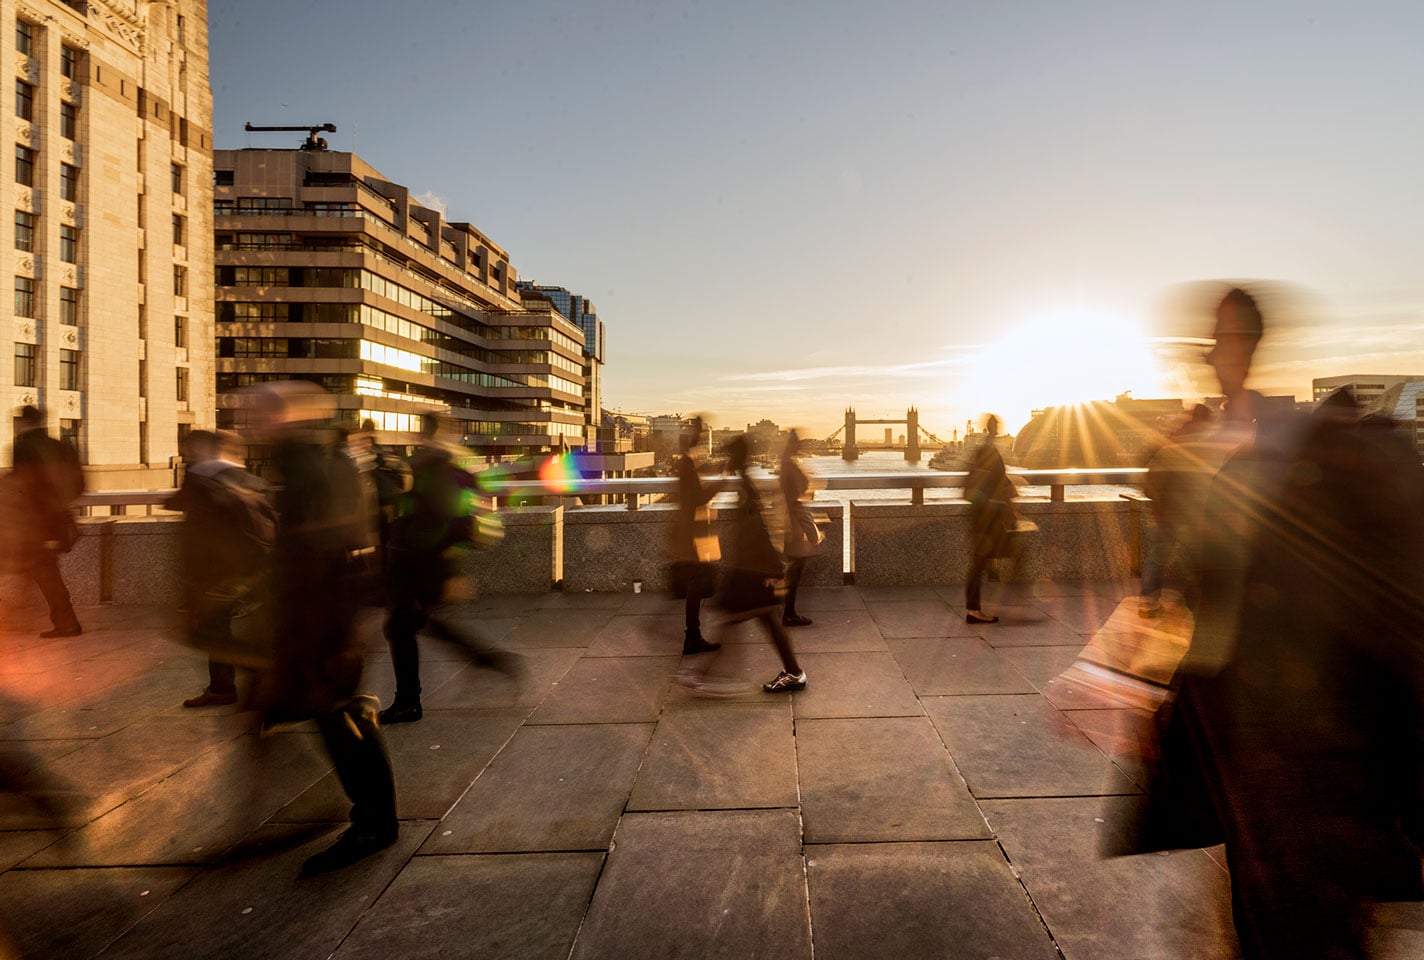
934	792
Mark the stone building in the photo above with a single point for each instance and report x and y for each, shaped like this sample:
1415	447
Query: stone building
328	271
580	310
105	232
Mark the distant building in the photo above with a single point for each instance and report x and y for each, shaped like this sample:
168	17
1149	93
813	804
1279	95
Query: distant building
666	432
580	311
1369	388
1122	433
327	271
765	438
106	233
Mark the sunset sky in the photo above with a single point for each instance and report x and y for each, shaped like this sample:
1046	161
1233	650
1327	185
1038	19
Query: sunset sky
784	209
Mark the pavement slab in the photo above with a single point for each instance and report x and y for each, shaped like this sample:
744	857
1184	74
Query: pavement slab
557	628
1119	733
811	600
1020	746
907	593
918	618
258	905
77	913
725	884
1159	906
881	779
1043	667
854	685
1028	626
584	600
512	906
959	665
609	690
898	900
639	635
551	788
727	754
434	761
1085	614
17	846
476	687
838	631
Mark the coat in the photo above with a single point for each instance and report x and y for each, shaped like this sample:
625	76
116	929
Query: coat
989	490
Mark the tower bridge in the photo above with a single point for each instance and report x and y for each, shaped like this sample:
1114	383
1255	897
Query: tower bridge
913	434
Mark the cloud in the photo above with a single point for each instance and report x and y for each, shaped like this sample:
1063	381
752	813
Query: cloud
434	201
907	371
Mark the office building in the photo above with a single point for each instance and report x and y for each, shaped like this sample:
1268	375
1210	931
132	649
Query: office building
580	311
330	272
1369	388
105	231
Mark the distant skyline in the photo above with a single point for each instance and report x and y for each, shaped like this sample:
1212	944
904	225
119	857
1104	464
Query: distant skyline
784	210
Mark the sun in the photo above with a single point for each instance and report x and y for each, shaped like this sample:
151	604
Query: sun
1061	358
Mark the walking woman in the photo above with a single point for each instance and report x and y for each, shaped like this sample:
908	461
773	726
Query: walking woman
802	539
693	545
752	565
991	517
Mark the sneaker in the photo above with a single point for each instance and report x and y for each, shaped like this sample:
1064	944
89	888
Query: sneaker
211	698
786	682
793	620
400	713
354	844
73	630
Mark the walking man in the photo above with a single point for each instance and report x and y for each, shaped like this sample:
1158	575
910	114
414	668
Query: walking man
49	478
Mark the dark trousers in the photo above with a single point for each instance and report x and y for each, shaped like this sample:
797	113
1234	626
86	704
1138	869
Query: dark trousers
359	755
414	595
222	677
692	615
972	584
794	569
44	570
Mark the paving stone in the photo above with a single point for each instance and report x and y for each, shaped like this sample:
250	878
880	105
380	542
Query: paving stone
918	618
557	628
838	631
881	779
1122	908
815	599
76	913
550	788
639	636
1119	733
748	664
204	809
1028	626
496	606
258	906
897	900
110	710
583	600
1020	746
957	665
17	846
1397	932
652	603
1083	614
474	687
515	907
609	690
726	884
434	761
379	678
993	595
854	685
908	593
734	754
21	757
1043	667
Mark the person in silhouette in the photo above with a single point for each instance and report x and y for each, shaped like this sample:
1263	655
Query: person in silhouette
991	516
694	547
801	539
47	480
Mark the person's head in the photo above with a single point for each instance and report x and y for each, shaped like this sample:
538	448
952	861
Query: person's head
991	425
368	425
429	425
30	418
231	446
793	444
200	446
288	403
738	452
1238	331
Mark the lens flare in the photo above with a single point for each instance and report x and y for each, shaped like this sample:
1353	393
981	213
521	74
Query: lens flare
559	473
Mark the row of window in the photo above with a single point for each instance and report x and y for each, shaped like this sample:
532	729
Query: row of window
25	110
25	237
501	428
25	161
68	56
27	367
303	348
27	301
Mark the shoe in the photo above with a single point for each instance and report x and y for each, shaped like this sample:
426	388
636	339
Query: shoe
792	620
690	647
70	631
786	682
210	698
354	844
400	713
975	618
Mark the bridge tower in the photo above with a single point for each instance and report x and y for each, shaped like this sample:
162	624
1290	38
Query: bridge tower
848	451
912	435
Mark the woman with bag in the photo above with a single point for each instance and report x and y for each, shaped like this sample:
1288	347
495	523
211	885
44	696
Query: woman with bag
752	567
692	544
802	539
991	517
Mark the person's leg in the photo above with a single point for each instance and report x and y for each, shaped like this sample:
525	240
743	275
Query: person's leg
692	639
363	767
222	677
1153	562
791	677
972	596
403	622
789	616
45	572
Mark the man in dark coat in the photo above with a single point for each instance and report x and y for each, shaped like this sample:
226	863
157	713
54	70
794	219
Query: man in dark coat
49	478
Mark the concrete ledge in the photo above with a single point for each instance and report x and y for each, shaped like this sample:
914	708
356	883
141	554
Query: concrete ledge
607	548
530	557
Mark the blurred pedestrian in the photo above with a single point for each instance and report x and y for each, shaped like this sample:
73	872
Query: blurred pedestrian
435	519
991	516
48	479
223	549
747	591
694	547
1178	476
316	672
1294	732
802	538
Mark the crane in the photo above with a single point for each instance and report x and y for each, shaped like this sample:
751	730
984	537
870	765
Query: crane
313	142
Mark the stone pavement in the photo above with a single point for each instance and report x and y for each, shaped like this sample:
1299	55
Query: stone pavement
935	792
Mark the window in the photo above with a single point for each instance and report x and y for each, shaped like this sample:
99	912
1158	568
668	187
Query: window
24	100
178	229
24	37
27	364
143	378
69	432
68	121
69	306
176	174
24	231
182	384
24	166
68	182
69	369
180	331
69	62
143	441
69	243
142	320
24	297
180	281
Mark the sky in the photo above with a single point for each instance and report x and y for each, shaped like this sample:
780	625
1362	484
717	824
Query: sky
785	209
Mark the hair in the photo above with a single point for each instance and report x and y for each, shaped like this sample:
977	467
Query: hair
793	443
30	413
1238	314
368	425
737	451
